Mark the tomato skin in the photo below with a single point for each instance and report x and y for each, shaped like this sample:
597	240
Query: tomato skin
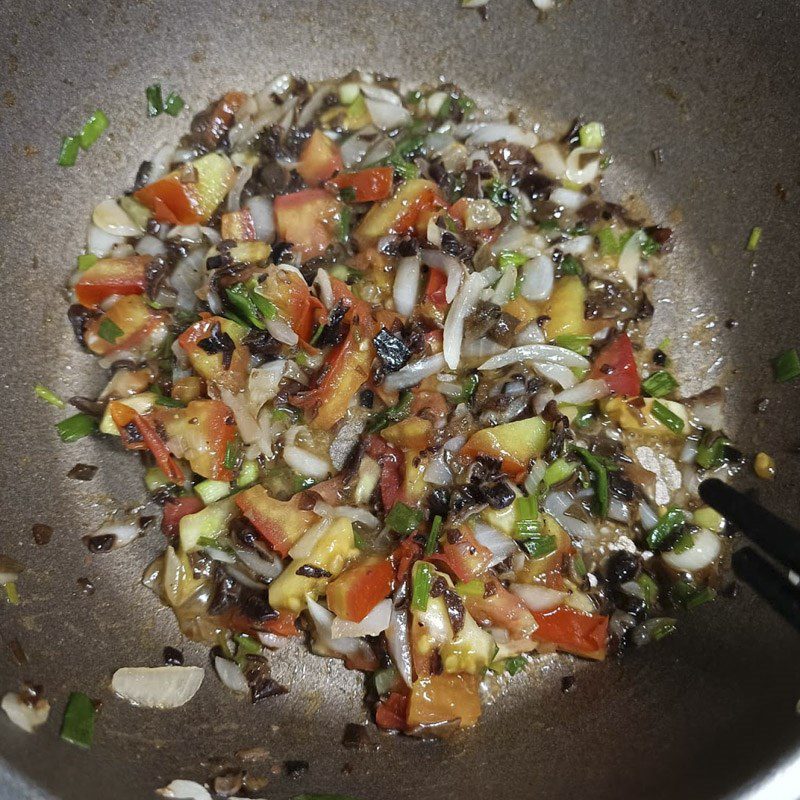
291	295
404	556
307	219
390	459
390	713
369	185
616	365
110	276
319	159
435	291
501	608
573	631
175	509
360	588
465	558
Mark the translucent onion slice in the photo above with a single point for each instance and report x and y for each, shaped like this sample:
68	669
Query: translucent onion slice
157	687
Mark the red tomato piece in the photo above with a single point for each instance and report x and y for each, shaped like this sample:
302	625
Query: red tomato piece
435	291
369	185
573	631
390	713
175	509
308	220
404	556
616	365
359	589
391	461
110	276
499	607
319	159
465	558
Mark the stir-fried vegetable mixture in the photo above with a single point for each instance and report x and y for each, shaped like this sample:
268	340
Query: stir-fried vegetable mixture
382	353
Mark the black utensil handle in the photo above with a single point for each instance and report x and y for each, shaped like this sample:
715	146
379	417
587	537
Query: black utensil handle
774	536
769	582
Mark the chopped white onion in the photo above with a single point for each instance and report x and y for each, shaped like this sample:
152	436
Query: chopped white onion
538	598
352	513
324	289
413	373
150	246
556	373
373	624
537	278
450	265
500	545
263	383
399	644
305	463
647	516
556	504
544	5
281	331
387	116
703	552
581	170
463	306
353	150
578	246
186	279
481	348
235	194
184	790
123	532
551	159
263	216
323	622
157	687
568	198
585	392
630	260
497	131
535	476
374	92
314	103
406	285
504	287
435	102
259	565
437	472
230	675
531	334
305	544
112	219
99	243
27	716
245	420
548	353
618	511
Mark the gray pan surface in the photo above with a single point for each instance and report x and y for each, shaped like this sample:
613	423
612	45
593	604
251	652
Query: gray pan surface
707	713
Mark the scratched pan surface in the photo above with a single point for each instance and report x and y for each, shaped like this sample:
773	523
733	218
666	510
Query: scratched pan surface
707	713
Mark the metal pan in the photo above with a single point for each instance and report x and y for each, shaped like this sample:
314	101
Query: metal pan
707	713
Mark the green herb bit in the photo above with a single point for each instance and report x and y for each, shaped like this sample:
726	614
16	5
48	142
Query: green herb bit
579	565
576	342
78	724
265	307
666	417
432	542
711	450
538	545
68	154
510	258
246	645
404	170
165	400
86	261
285	414
345	217
413	97
423	579
559	471
684	542
649	589
468	387
659	384
347	194
584	416
571	266
500	195
668	524
76	427
231	455
155	102
599	480
208	541
43	393
359	541
403	519
664	627
243	301
608	242
317	333
686	595
393	414
174	104
649	246
591	135
786	366
515	664
473	588
248	473
93	129
753	239
109	330
12	594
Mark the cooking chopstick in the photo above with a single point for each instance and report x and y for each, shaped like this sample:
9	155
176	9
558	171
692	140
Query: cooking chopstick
775	537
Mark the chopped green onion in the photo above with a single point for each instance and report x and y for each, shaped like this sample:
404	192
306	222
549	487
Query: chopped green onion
711	450
754	239
591	135
704	595
571	266
155	480
666	417
109	330
86	260
248	473
12	595
649	246
510	258
468	387
209	541
599	480
405	170
659	384
76	427
393	414
231	456
538	545
686	595
345	217
93	129
664	627
403	519
347	194
584	416
559	471
580	344
423	578
243	301
608	242
684	542
174	104
359	540
473	588
165	400
672	519
515	664
579	565
285	414
786	366
499	194
317	333
432	542
649	588
43	393
78	724
246	645
413	97
211	491
155	102
68	155
265	307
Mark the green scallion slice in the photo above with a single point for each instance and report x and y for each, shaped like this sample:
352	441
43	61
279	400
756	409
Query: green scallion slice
109	330
432	542
672	519
68	155
659	384
155	102
666	417
243	301
599	480
93	129
231	456
86	261
510	258
753	239
580	344
174	104
473	588
559	471
571	266
403	519
78	724
786	366
591	135
515	664
423	579
76	427
43	393
711	451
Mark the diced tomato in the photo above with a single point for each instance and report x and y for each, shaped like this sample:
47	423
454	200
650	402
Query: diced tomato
110	276
369	185
616	365
175	509
436	699
308	220
211	366
573	631
218	119
498	607
124	416
458	211
206	428
191	194
435	291
280	523
238	225
136	328
466	558
285	624
320	159
291	295
513	443
404	556
413	433
390	460
428	404
390	713
360	588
